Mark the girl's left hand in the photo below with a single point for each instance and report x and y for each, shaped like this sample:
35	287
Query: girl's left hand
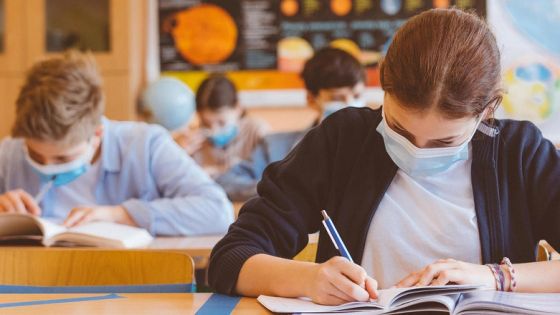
446	271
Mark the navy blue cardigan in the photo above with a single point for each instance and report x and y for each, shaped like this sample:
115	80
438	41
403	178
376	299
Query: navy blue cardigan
342	166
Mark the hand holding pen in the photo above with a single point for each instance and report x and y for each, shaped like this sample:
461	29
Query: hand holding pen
19	201
339	280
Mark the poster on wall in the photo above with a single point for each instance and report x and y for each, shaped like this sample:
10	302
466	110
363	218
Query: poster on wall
263	44
528	33
217	35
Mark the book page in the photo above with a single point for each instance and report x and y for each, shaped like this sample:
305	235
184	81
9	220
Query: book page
305	305
105	234
431	303
396	297
17	224
50	228
389	299
509	302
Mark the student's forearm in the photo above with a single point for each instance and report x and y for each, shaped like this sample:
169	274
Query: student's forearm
268	275
538	277
189	216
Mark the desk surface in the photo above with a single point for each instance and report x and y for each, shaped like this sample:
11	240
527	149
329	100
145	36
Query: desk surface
198	247
159	303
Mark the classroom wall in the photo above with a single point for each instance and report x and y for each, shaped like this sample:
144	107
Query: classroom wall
126	71
123	67
134	61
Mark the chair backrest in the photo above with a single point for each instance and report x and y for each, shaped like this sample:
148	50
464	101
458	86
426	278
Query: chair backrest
308	253
546	252
93	267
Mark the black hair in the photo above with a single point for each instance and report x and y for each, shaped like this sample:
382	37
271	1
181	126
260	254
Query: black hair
332	68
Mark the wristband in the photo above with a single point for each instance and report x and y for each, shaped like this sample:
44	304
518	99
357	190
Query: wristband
511	270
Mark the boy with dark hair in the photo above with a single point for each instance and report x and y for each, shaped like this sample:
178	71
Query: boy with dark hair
333	80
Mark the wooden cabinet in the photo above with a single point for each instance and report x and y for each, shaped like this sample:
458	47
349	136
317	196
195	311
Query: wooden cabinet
114	30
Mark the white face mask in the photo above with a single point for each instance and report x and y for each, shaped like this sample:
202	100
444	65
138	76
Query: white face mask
333	106
422	161
358	102
63	173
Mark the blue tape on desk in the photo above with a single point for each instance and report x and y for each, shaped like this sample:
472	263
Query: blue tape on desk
60	301
151	288
219	304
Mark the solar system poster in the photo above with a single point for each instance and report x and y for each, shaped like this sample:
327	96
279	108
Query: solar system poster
263	44
528	33
217	35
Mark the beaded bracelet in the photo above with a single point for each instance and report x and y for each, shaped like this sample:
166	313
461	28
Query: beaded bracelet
509	265
499	286
501	276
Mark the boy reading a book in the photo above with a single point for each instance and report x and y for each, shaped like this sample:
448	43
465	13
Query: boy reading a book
67	162
428	177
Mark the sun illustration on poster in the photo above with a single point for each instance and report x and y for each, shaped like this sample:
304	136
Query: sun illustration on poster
205	34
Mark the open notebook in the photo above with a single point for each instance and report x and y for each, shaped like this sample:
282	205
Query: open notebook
451	299
16	227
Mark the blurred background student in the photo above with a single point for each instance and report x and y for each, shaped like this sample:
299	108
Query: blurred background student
333	79
69	163
226	134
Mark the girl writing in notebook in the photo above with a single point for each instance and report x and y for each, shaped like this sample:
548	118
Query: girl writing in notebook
428	177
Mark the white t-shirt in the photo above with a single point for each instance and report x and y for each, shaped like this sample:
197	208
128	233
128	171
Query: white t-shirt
421	220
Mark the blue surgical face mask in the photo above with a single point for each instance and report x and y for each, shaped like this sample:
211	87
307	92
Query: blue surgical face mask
358	102
333	106
65	173
421	161
224	136
330	107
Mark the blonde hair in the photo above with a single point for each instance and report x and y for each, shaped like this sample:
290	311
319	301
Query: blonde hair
61	101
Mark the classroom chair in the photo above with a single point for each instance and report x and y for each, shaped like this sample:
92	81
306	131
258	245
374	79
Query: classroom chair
308	253
546	252
66	270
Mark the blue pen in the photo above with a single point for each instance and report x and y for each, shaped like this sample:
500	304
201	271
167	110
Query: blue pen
335	238
43	191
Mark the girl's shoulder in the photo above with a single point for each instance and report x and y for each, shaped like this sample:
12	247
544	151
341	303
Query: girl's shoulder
522	140
358	117
512	131
352	122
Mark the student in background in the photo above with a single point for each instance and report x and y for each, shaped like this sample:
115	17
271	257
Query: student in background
89	168
227	134
425	191
333	80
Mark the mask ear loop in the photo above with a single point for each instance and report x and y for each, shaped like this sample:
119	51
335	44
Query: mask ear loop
492	106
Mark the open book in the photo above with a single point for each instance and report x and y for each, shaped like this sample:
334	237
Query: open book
451	299
17	227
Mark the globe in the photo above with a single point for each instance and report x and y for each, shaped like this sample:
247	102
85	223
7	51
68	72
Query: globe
169	102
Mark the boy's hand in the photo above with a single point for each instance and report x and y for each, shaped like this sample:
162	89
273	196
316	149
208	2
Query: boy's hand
191	140
81	215
339	281
18	201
